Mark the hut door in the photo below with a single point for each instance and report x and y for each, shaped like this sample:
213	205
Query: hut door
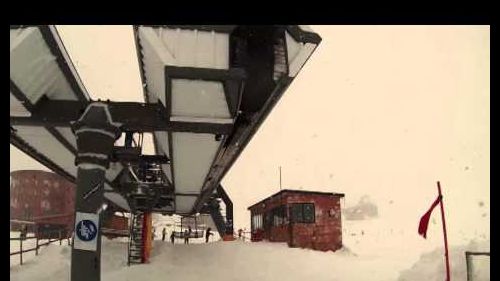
290	227
268	223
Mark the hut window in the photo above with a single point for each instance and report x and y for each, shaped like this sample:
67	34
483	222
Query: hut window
296	211
278	215
303	213
257	221
268	219
308	212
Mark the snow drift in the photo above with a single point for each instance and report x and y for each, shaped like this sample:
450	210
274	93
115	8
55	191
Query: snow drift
431	265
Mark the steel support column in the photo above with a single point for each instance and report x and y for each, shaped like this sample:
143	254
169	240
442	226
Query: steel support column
95	136
147	236
229	209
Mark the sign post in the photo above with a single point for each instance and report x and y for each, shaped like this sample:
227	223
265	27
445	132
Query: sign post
95	136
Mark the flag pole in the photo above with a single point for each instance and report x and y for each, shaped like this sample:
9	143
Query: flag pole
444	232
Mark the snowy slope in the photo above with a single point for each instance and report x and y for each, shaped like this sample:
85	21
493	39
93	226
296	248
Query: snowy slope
373	252
430	266
52	263
214	261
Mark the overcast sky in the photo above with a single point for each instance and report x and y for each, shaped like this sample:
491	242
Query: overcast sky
384	111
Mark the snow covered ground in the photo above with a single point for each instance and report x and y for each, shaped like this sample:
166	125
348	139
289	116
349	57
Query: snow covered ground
429	268
372	252
27	244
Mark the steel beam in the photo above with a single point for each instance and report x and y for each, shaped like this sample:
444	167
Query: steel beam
237	142
122	154
20	96
133	116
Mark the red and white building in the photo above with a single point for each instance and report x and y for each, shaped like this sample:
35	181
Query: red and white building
39	197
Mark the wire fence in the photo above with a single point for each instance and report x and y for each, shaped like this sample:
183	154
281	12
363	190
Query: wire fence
58	237
245	236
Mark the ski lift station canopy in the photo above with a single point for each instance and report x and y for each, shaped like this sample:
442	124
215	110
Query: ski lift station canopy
206	91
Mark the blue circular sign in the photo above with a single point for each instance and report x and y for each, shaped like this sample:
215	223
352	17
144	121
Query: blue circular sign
86	230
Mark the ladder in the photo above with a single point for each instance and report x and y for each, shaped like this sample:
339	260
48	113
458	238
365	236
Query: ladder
218	218
136	243
222	217
280	59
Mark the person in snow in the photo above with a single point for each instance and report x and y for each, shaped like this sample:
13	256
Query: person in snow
153	234
186	236
244	230
24	231
172	237
163	233
207	234
240	232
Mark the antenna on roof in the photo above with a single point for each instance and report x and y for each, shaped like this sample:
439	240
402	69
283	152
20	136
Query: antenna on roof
280	177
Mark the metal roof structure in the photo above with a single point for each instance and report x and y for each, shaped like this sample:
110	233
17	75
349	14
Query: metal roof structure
297	191
206	88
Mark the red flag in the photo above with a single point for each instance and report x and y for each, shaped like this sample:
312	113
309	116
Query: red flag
424	221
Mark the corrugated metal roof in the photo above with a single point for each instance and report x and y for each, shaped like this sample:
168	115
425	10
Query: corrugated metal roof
295	191
43	68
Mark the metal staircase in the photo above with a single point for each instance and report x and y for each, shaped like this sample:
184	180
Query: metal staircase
136	244
280	59
217	217
224	223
